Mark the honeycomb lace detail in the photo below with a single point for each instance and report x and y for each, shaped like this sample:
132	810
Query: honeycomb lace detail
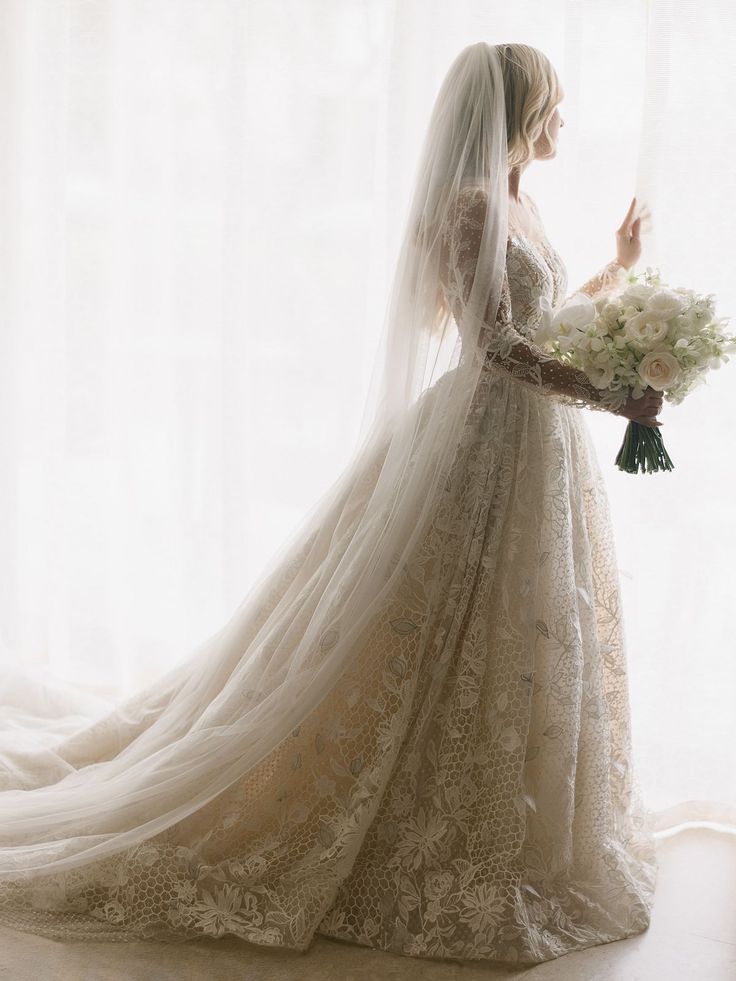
467	788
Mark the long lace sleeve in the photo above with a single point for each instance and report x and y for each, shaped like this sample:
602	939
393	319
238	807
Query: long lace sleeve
503	345
604	282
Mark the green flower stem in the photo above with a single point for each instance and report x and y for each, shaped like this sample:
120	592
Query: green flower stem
643	450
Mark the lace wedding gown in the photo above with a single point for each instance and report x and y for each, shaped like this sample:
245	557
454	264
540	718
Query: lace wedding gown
466	789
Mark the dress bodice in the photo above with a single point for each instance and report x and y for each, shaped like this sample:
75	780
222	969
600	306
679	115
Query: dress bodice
535	269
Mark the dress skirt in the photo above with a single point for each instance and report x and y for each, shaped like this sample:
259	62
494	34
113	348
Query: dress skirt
467	788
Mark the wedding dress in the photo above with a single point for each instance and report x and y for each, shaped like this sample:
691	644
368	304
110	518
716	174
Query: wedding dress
474	799
464	788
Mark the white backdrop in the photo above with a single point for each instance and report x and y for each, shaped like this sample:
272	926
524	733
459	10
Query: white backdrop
155	155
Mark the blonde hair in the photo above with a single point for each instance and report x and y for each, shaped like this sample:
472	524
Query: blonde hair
531	90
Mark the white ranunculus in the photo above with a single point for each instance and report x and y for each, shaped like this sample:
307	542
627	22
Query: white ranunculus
659	369
664	304
644	330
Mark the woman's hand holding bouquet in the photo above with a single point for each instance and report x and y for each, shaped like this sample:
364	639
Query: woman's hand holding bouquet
653	339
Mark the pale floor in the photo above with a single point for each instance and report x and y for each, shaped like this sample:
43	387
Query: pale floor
692	937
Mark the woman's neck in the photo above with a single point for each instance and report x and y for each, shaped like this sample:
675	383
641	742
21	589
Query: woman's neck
514	181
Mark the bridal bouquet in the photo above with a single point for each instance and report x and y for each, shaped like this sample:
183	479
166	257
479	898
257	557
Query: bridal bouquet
648	334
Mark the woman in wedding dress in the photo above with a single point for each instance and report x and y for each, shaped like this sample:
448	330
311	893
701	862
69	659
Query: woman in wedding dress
414	732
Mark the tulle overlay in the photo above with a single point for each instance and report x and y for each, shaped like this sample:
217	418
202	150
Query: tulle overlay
467	788
415	733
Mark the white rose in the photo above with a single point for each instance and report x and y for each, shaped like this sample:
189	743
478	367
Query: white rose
659	370
610	312
636	294
644	330
664	304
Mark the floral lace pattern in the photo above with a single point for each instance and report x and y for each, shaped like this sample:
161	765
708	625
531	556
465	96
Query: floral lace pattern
533	270
466	789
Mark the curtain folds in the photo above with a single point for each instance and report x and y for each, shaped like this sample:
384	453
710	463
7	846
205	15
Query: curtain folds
151	462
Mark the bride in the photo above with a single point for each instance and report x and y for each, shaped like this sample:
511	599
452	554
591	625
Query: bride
414	732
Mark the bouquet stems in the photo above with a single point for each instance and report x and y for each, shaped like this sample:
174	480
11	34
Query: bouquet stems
643	450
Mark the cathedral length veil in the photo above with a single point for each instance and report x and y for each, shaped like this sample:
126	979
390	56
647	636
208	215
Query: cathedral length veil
77	790
214	716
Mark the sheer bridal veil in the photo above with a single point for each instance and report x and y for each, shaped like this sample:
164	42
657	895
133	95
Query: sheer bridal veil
75	789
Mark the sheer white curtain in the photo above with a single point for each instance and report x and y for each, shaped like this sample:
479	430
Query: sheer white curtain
152	460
